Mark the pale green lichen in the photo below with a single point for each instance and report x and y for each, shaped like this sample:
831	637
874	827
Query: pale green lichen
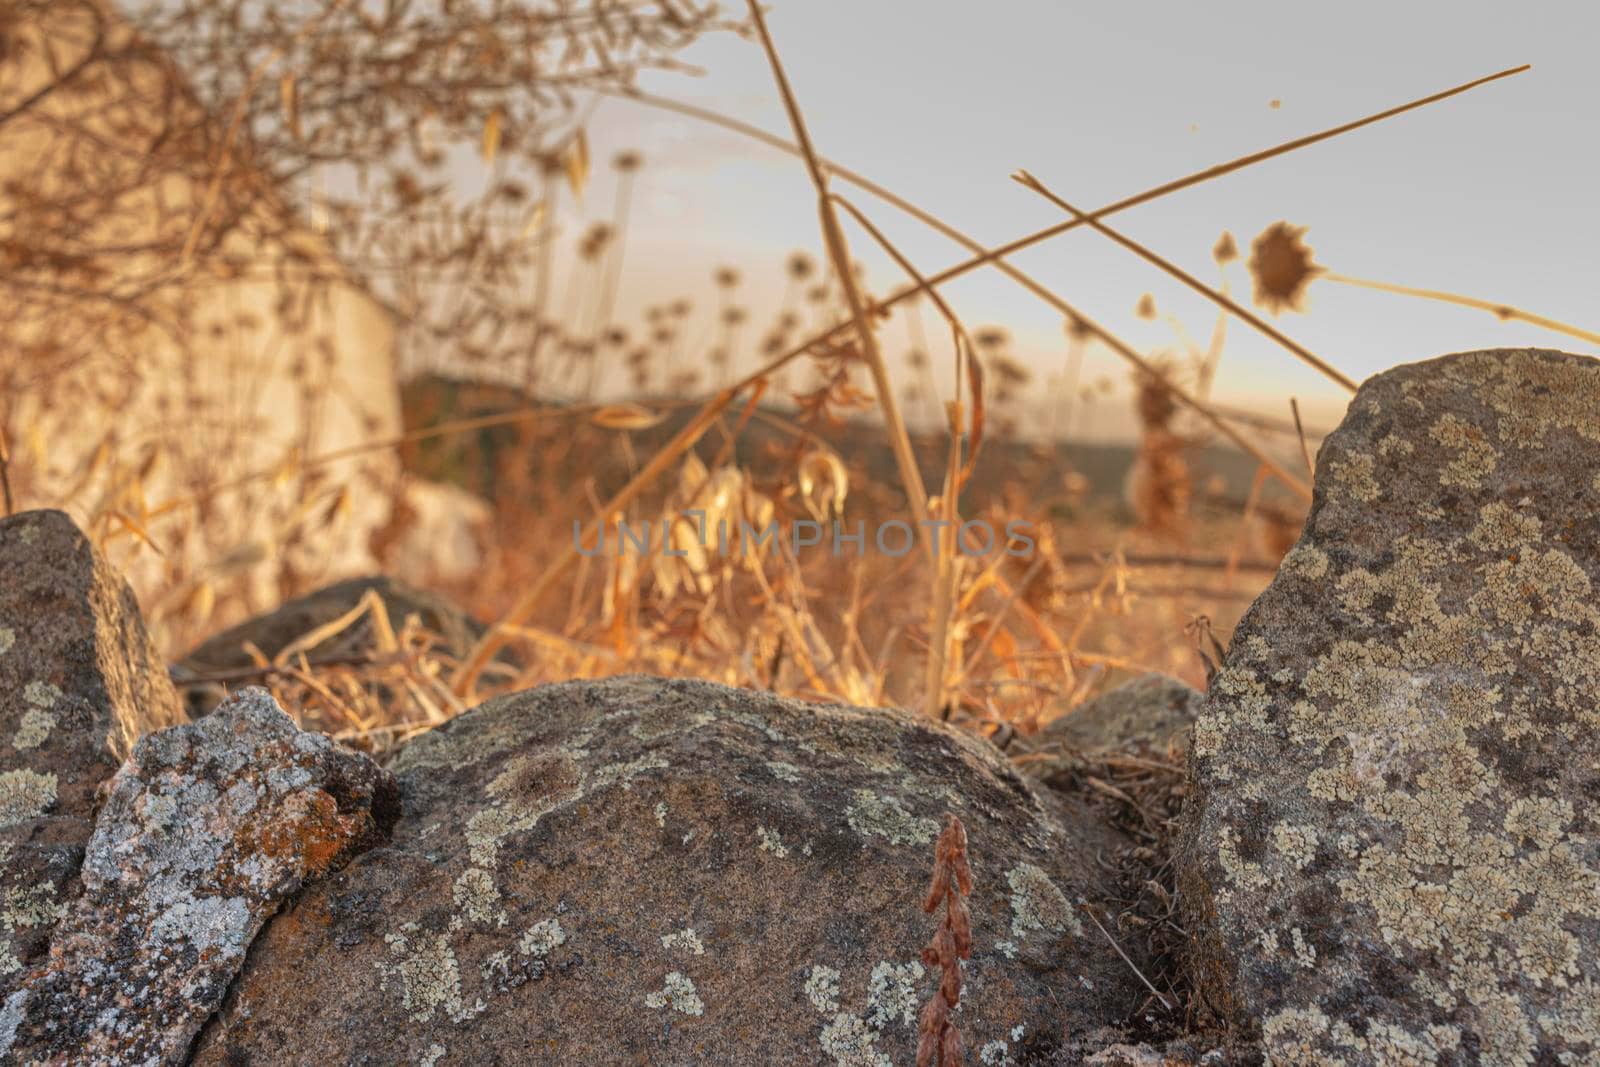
429	975
8	637
875	814
852	1043
822	989
25	794
772	841
41	694
1354	475
542	938
685	940
1037	904
995	1054
1462	648
678	993
33	729
784	772
1475	457
892	994
475	894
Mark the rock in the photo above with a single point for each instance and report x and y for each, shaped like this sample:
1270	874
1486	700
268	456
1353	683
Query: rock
207	827
1393	848
79	680
275	630
205	672
1151	713
638	870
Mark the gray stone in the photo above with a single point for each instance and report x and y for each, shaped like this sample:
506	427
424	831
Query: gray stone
1151	713
205	674
79	680
206	828
674	872
1393	848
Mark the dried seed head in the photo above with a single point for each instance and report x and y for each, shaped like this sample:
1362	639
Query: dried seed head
1282	267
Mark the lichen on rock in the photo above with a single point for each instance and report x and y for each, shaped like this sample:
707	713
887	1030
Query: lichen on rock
670	897
79	680
1395	851
205	829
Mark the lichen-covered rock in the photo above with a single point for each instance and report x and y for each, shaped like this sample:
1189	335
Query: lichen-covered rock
673	872
207	827
1395	834
1153	712
79	680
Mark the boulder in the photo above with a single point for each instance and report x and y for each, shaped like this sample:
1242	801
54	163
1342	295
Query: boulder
1151	713
1393	842
205	674
206	828
79	681
276	629
639	870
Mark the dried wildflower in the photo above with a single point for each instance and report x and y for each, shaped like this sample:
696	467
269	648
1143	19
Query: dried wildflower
1146	307
800	266
939	1039
725	277
990	337
1226	250
1282	267
595	240
1009	372
627	162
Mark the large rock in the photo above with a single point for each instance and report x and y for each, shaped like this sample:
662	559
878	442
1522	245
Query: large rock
79	680
206	828
637	870
1395	852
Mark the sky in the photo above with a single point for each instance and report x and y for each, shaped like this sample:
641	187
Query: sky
1489	194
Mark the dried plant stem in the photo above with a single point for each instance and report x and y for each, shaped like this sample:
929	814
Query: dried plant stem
938	1037
214	188
495	638
1300	431
1220	299
839	254
986	256
5	477
982	256
1500	311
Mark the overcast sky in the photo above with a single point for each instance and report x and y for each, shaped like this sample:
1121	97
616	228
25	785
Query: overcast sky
1490	194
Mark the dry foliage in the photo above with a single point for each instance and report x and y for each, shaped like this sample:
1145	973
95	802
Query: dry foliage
152	159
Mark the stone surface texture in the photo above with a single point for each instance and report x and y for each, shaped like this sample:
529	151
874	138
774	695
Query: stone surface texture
1152	712
638	870
79	680
1394	852
206	828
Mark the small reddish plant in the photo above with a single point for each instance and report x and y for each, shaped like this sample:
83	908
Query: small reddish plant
939	1043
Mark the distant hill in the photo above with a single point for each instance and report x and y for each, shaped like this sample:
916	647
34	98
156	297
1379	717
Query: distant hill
1039	472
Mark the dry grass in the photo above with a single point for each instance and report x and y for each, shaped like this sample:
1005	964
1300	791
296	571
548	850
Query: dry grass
994	642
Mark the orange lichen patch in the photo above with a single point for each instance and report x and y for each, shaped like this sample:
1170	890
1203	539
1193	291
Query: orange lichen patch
316	837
